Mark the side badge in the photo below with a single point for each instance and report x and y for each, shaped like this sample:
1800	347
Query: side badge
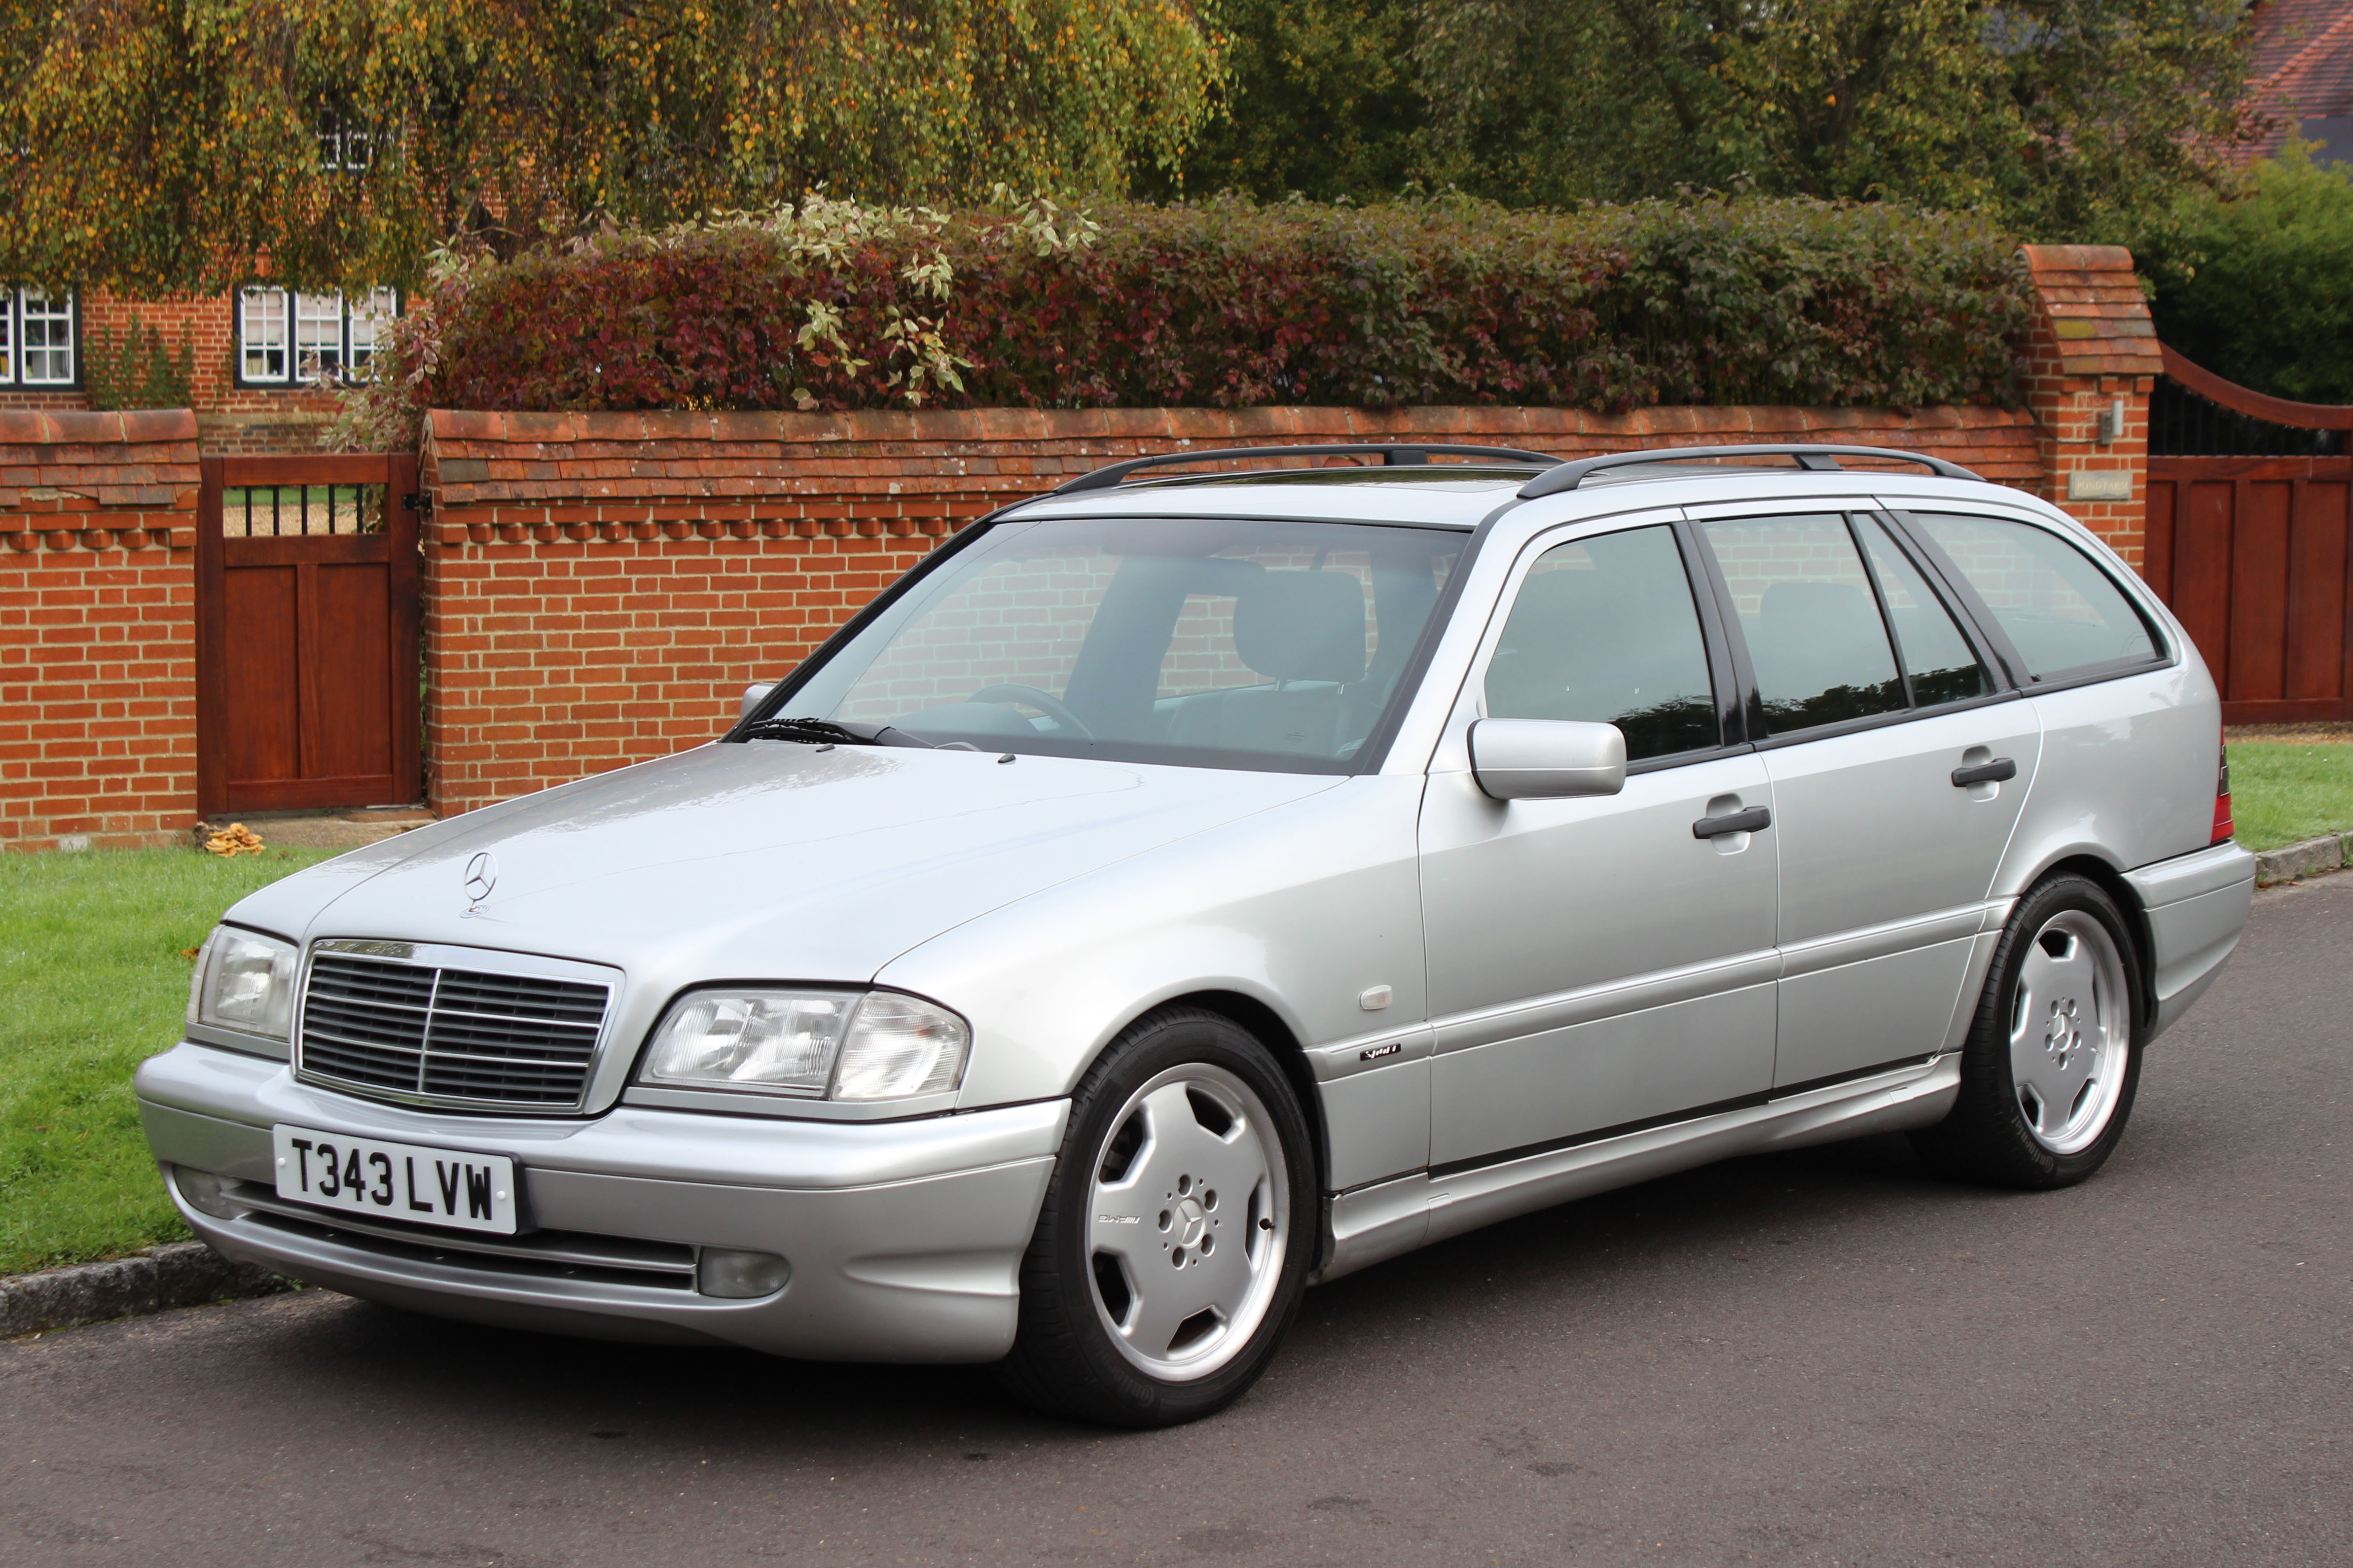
482	875
1374	1052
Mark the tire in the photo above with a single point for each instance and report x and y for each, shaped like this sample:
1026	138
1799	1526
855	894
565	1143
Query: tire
1174	1246
2053	1060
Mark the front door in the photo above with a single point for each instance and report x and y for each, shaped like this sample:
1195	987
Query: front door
306	633
1593	963
1873	703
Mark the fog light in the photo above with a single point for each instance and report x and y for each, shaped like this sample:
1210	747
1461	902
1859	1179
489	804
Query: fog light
202	1193
725	1272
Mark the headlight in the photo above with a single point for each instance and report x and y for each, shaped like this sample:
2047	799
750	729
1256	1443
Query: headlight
244	980
838	1044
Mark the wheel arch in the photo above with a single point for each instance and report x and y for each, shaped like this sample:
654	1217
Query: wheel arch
1266	1026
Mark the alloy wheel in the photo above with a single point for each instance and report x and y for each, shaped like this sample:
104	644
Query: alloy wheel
2070	1032
1190	1219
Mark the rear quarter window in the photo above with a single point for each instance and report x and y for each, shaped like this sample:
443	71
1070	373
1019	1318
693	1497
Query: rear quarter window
2060	611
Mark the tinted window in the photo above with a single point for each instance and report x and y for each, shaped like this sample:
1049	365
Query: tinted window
1604	630
1810	620
1208	642
2061	613
1935	653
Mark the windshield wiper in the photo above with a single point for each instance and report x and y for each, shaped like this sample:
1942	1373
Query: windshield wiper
827	732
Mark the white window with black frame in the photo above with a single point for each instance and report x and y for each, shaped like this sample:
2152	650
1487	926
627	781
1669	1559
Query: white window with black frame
292	338
40	339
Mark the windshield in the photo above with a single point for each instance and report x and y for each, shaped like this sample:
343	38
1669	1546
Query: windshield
1204	642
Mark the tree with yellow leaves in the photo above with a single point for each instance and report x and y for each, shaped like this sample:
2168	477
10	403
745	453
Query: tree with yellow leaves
159	145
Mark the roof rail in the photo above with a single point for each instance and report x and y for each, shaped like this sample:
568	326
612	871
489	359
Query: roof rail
1415	454
1569	476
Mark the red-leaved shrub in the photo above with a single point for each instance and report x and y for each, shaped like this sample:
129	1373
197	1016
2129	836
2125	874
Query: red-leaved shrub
1226	303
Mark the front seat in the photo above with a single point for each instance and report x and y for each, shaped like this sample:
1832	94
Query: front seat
1305	631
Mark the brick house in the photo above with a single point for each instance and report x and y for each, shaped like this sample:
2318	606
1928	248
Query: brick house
261	361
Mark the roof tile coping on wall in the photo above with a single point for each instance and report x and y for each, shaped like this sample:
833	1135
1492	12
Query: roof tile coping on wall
140	457
2093	306
478	458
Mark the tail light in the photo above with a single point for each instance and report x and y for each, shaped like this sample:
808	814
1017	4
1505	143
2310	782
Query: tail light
2222	823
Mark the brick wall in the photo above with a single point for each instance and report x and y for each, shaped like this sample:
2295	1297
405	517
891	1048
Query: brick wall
98	723
600	587
2094	352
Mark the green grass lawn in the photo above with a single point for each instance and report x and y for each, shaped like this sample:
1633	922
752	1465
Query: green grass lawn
92	972
2282	792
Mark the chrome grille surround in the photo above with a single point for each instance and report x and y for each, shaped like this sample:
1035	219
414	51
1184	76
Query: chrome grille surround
469	1028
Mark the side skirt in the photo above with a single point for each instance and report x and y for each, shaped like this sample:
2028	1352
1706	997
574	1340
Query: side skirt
1392	1218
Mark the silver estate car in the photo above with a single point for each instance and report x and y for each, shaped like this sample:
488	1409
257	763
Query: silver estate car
1182	889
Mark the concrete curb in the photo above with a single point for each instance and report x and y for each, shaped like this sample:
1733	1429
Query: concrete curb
2310	858
185	1274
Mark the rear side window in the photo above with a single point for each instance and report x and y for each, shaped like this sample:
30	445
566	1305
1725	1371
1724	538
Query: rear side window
1604	630
1810	619
1936	657
2061	612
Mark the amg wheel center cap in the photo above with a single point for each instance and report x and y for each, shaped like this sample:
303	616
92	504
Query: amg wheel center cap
1191	1221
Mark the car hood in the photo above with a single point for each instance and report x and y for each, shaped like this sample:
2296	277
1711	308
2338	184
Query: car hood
766	860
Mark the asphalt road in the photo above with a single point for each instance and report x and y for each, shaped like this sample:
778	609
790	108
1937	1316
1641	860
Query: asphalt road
1818	1358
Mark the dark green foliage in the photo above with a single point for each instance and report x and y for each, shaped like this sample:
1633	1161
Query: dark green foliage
2058	119
1227	304
134	369
2259	290
1320	98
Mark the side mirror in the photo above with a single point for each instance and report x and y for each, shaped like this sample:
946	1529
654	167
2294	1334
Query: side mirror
753	697
1546	759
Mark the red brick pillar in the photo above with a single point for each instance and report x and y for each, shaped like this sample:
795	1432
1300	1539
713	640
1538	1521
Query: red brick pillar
2093	360
98	678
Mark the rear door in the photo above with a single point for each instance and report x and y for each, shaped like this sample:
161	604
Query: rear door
1898	762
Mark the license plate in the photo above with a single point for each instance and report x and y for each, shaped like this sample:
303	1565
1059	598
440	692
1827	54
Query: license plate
454	1187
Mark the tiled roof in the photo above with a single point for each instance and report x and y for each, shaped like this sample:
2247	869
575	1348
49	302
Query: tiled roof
2301	68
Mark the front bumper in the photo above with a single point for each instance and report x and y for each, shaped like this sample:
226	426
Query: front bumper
904	1238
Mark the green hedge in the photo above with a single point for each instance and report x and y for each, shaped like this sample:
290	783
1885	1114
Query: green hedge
1226	303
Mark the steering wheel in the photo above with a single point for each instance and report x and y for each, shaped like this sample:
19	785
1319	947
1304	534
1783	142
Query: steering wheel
1011	692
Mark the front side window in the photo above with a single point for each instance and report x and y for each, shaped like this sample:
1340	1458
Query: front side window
1604	630
1812	623
2061	612
1200	642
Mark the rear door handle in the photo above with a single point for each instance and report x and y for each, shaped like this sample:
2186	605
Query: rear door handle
1999	770
1756	819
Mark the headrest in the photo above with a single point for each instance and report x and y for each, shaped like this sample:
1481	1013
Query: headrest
1301	625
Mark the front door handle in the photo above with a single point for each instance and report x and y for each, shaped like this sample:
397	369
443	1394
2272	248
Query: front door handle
2001	770
1756	819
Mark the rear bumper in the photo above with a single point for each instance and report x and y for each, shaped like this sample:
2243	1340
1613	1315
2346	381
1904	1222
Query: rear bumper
2197	906
904	1238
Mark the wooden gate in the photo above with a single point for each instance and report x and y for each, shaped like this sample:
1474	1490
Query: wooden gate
306	633
2250	514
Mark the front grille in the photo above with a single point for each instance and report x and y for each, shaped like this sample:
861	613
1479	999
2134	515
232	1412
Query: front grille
459	1036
